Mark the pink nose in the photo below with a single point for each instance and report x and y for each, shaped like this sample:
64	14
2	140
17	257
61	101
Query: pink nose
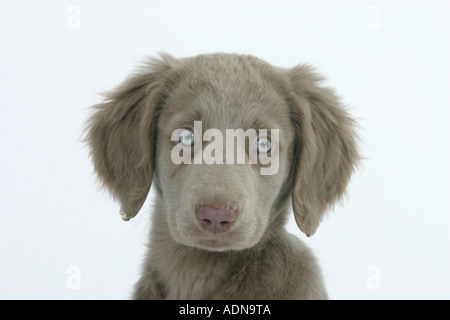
217	217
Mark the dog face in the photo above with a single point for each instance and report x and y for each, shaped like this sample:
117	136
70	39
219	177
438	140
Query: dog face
227	140
222	205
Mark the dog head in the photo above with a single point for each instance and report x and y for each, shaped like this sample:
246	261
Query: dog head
227	140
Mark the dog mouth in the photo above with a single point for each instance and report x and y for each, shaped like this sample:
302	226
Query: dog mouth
216	240
215	232
195	236
213	244
238	237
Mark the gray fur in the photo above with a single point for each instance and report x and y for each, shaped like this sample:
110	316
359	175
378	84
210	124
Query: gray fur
129	136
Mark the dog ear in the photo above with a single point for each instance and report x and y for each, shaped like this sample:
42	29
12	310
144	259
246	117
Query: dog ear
326	152
121	134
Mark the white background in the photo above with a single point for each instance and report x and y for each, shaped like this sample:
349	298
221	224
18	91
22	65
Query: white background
388	60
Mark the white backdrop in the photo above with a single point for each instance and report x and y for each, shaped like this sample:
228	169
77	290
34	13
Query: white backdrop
62	238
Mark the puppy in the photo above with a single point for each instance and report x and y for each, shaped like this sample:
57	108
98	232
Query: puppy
229	144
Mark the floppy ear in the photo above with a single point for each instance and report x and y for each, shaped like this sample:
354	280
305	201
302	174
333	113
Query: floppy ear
326	152
121	134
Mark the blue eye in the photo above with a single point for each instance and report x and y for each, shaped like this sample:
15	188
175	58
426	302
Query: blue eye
263	145
186	137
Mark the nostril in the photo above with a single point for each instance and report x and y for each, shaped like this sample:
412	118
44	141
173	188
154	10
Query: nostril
225	225
206	221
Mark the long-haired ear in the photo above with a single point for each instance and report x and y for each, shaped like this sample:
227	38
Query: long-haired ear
326	153
121	133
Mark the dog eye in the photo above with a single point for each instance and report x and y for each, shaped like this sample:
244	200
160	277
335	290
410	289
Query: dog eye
186	137
263	145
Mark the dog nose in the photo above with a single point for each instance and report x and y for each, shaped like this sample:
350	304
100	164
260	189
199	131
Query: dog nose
217	217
